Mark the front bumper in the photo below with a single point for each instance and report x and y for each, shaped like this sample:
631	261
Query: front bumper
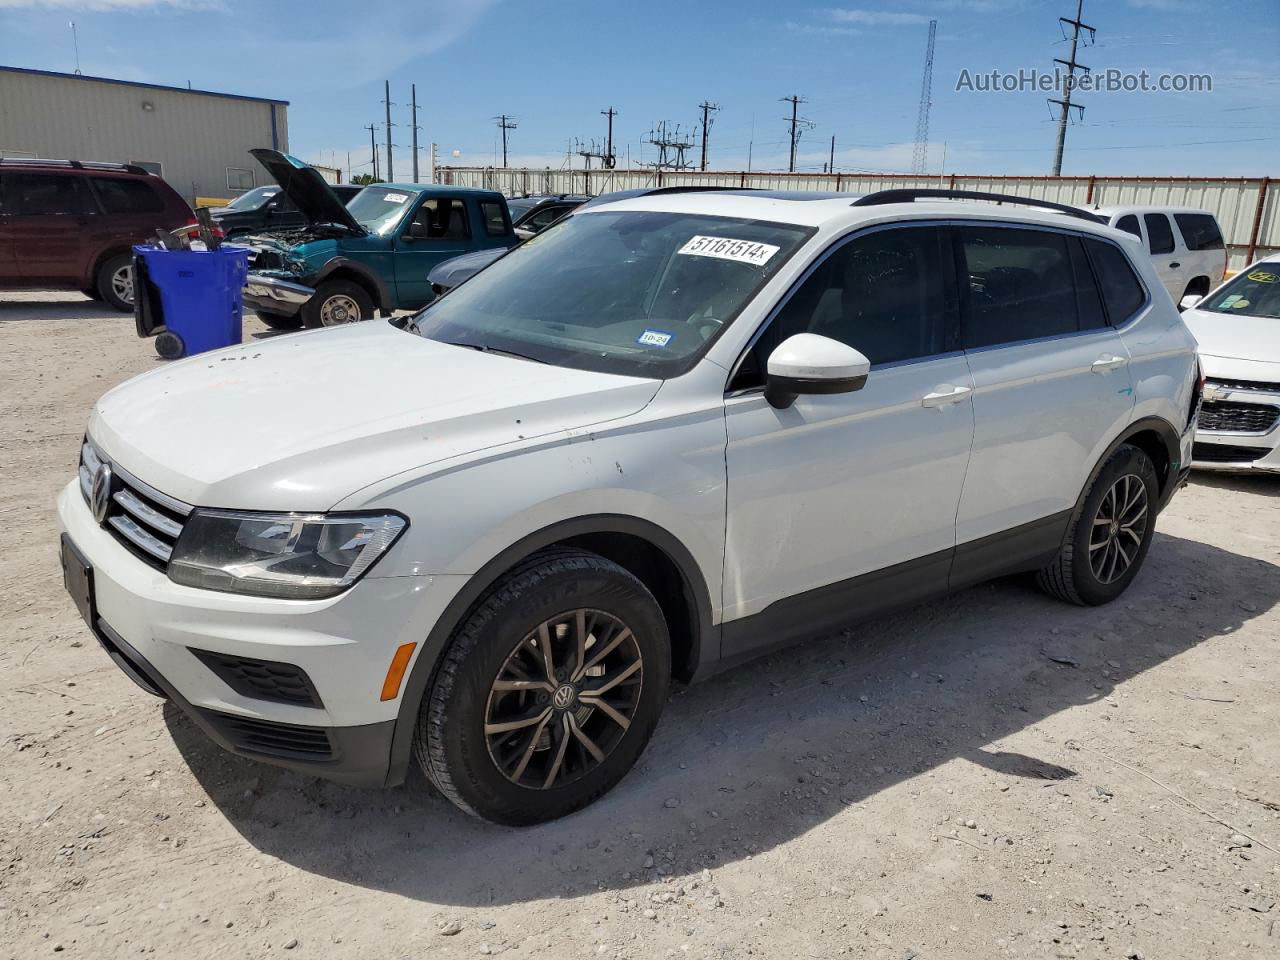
151	627
1239	451
275	295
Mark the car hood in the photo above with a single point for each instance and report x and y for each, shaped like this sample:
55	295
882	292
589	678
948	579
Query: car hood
452	272
1248	342
303	421
307	189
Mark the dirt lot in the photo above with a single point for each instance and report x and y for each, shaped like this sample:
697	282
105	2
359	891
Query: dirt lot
994	774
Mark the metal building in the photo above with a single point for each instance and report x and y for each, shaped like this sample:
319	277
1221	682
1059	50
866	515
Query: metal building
196	139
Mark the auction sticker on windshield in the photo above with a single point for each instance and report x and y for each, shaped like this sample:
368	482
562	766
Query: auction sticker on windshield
726	248
396	197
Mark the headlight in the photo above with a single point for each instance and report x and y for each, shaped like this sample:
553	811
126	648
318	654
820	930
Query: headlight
291	555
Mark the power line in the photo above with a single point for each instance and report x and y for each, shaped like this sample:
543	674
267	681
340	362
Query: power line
505	123
707	121
920	156
1072	65
798	126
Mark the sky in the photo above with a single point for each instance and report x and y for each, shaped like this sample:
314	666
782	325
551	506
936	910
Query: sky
554	65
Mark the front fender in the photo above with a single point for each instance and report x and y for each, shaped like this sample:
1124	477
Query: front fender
383	300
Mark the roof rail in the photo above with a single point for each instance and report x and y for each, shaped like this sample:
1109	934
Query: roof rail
908	195
73	164
693	188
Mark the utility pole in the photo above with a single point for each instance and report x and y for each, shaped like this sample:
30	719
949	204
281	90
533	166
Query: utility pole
831	167
505	123
798	126
920	156
373	149
391	173
1065	104
668	142
434	161
413	124
707	121
610	158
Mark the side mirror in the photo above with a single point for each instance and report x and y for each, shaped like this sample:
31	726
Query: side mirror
811	364
524	233
1190	301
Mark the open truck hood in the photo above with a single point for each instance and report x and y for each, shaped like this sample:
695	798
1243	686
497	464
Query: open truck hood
307	189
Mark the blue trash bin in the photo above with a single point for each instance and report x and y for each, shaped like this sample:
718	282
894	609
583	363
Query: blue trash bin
189	300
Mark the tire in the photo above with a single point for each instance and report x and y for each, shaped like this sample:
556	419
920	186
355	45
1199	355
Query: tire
280	321
1094	568
170	346
115	282
543	770
337	302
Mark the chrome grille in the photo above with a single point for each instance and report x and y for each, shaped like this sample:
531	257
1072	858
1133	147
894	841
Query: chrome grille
142	518
1229	417
1259	386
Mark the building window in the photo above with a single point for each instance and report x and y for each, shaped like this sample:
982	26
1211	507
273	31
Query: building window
151	166
239	178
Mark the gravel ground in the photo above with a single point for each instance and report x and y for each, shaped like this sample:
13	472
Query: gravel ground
993	774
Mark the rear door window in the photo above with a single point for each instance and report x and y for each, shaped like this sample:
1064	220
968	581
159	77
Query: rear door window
1017	284
1088	298
1199	231
44	194
1129	224
1159	233
120	196
1122	291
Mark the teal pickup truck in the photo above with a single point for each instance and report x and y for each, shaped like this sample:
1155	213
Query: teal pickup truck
372	255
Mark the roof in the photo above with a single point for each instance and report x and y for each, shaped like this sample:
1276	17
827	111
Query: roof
438	188
836	211
135	83
1119	209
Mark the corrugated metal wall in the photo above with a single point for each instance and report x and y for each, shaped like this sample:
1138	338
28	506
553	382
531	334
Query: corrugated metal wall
1234	201
194	136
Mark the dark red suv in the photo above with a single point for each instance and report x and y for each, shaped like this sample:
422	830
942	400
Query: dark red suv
70	225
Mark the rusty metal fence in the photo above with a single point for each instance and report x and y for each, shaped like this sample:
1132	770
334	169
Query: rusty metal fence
1247	207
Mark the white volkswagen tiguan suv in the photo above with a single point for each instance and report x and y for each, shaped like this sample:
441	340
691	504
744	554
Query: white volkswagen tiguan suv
666	435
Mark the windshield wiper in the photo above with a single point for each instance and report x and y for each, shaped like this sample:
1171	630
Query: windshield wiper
502	353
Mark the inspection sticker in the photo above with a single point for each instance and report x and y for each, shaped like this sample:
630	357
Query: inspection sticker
395	197
726	248
1263	276
654	338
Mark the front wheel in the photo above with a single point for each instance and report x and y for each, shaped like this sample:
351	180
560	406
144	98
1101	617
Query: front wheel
548	692
1110	532
337	302
115	282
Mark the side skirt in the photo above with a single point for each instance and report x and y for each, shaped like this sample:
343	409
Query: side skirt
817	612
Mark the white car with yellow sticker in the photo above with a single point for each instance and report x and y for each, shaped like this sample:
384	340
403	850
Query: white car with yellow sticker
670	433
1238	327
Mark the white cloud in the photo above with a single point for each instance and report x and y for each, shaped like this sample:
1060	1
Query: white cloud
823	30
110	5
876	18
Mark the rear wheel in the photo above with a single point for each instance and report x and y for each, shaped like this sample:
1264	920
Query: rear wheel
115	282
337	302
280	321
548	692
1110	532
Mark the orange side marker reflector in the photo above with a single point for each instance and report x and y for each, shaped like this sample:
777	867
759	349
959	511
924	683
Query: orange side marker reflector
395	672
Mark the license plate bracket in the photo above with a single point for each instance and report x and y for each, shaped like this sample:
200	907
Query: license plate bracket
77	577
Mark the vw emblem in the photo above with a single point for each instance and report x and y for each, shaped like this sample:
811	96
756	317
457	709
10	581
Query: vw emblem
100	492
564	696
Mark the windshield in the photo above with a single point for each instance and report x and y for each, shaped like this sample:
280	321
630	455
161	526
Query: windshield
635	293
253	199
379	209
1255	293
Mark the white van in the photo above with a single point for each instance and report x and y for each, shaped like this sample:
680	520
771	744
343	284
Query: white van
1185	244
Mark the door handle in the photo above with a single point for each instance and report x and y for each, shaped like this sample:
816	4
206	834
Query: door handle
944	395
1175	265
1107	364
